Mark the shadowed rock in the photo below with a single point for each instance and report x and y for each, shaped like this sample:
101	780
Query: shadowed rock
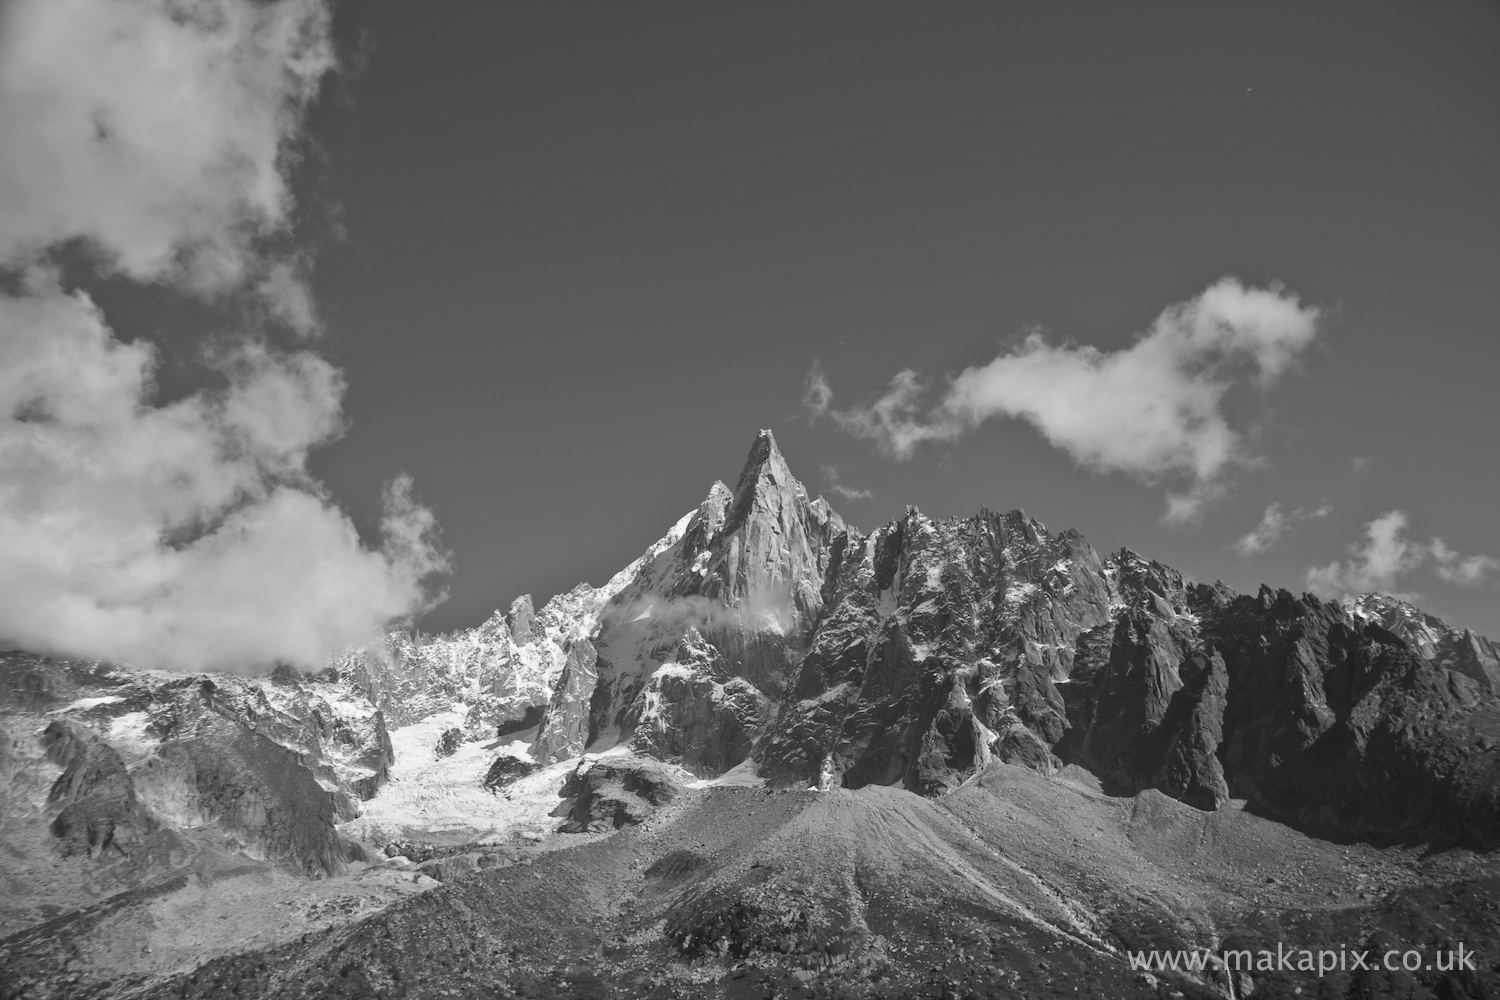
616	791
96	802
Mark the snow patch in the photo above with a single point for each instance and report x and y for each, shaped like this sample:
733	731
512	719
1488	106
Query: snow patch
1018	591
832	694
84	704
130	739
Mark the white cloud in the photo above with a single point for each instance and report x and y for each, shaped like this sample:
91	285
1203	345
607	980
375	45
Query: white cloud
817	394
1153	410
1387	555
1270	529
284	291
838	488
849	493
1465	571
157	130
182	533
1273	524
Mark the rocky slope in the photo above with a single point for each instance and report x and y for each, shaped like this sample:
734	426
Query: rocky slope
1014	885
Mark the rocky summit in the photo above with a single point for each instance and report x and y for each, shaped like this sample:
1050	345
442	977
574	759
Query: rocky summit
779	756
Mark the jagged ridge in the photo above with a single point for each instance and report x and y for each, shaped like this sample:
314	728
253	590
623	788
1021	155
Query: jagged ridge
766	626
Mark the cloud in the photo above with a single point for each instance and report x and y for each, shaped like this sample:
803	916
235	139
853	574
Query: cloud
1387	555
772	610
1273	524
1360	463
1465	571
831	473
287	298
182	533
1154	410
158	131
817	393
849	493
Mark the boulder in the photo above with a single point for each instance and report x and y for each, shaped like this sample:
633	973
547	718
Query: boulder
449	742
506	770
450	868
612	792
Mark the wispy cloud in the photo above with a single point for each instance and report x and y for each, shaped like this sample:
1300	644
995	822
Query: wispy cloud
838	488
1273	524
817	394
1360	463
1465	571
1387	555
1154	410
183	533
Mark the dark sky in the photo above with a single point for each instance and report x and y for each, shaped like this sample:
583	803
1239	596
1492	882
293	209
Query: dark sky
591	248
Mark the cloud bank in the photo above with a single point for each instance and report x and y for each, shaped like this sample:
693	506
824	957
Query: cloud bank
1154	410
183	533
1274	523
1387	555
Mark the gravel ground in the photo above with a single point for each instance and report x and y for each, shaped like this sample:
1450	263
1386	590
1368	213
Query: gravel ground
1013	885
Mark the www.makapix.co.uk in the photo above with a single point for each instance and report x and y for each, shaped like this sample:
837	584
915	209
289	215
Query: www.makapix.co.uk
1320	962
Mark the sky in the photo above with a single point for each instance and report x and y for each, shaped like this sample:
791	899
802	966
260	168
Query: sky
1214	282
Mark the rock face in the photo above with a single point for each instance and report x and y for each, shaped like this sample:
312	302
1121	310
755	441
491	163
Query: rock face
1145	697
695	712
564	727
1340	724
259	794
96	802
942	650
1461	650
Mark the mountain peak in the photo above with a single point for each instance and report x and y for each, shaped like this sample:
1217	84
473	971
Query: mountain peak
772	545
764	476
764	455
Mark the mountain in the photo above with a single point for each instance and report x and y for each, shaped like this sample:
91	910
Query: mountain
921	652
820	758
